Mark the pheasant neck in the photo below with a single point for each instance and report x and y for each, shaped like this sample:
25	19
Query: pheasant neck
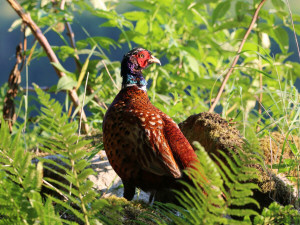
131	80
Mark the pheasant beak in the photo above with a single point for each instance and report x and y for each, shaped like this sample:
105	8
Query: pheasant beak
154	60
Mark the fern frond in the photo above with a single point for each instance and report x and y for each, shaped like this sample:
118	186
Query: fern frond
220	193
71	165
20	184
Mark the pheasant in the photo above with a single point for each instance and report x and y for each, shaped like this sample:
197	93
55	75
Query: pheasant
144	145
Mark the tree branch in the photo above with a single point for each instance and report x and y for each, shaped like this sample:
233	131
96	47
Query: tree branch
254	18
71	35
36	31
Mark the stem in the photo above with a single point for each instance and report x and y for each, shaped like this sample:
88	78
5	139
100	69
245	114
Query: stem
36	31
86	81
110	75
14	80
260	83
260	96
71	36
254	18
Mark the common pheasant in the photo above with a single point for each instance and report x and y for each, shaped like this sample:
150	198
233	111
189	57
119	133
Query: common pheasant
144	146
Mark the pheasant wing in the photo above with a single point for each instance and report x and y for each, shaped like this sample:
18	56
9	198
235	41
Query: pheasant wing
183	152
152	150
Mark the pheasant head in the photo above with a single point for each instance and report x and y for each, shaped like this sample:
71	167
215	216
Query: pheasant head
132	65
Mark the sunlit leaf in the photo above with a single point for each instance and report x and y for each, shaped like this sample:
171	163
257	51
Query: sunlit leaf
220	10
65	83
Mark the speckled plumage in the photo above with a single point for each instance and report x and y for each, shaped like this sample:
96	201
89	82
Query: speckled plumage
144	146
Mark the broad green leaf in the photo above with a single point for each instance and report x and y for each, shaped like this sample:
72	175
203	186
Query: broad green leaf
65	52
241	8
143	5
248	46
282	38
65	83
193	63
220	11
61	68
142	26
297	28
135	15
279	4
15	24
104	14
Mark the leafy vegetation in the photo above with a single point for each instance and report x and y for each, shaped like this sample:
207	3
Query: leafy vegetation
196	41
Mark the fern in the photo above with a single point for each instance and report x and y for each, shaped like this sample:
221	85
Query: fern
220	194
60	138
20	184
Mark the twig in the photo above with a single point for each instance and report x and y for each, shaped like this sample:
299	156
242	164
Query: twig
260	84
36	31
56	189
31	89
71	35
14	80
84	94
110	75
254	18
260	98
96	98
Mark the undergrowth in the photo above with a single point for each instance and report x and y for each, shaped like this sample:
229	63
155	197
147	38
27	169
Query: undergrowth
220	195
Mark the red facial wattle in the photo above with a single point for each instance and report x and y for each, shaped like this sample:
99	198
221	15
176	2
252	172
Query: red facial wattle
142	58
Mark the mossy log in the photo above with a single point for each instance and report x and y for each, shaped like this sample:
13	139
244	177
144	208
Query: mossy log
215	133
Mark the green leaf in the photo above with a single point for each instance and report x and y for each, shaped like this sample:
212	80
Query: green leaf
143	5
65	83
142	27
297	28
84	68
220	11
61	68
15	24
193	63
135	15
65	52
282	38
240	8
278	4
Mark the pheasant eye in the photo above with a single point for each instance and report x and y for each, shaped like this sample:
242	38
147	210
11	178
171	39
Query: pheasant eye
141	56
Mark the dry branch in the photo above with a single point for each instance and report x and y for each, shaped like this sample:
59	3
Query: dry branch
36	31
13	83
71	35
254	18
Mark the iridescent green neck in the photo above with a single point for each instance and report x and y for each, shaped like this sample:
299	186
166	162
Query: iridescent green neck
138	80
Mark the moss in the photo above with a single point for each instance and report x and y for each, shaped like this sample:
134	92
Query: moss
215	133
212	131
273	149
278	186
